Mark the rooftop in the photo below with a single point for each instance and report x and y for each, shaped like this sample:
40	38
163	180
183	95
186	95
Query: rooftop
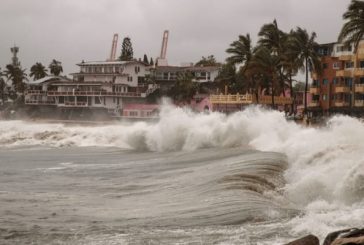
116	62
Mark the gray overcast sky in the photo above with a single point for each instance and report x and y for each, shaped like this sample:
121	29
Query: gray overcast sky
75	30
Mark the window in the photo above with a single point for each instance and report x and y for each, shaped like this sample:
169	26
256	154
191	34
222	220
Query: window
97	100
137	69
334	81
349	64
361	80
325	81
130	79
133	113
361	64
324	66
336	65
324	97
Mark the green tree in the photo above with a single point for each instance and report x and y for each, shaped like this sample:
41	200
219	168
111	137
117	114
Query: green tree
353	30
274	40
184	88
268	66
291	63
241	53
207	61
307	57
2	86
227	77
151	62
145	59
17	76
55	67
38	71
126	50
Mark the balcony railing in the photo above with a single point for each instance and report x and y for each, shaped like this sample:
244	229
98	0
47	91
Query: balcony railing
359	72
341	103
359	88
359	103
35	92
361	56
346	57
314	90
94	93
248	99
314	104
342	89
39	102
344	73
75	104
231	99
278	100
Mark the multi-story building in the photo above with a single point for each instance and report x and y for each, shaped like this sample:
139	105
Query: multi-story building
339	88
166	76
108	85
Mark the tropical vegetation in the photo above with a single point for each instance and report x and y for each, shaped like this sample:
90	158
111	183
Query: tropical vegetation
353	30
38	71
17	76
55	67
126	50
269	67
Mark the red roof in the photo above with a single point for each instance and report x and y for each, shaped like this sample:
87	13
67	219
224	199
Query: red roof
141	107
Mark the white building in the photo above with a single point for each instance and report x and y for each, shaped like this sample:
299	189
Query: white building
105	84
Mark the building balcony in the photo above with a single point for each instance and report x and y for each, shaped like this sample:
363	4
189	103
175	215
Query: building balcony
39	102
361	56
278	100
74	104
344	73
359	72
231	99
341	103
34	92
359	88
346	57
314	90
359	103
95	93
342	89
314	104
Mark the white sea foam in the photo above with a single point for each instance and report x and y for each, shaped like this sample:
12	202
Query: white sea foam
326	173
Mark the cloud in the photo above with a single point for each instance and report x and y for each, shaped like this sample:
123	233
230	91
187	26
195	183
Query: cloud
71	31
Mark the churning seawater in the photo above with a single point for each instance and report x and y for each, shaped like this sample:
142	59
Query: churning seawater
247	178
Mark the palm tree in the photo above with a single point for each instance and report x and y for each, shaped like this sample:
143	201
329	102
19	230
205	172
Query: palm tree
38	71
241	51
353	29
184	88
268	65
242	54
55	67
17	76
291	63
274	40
2	86
307	57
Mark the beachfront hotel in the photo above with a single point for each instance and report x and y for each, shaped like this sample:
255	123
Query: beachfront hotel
340	86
